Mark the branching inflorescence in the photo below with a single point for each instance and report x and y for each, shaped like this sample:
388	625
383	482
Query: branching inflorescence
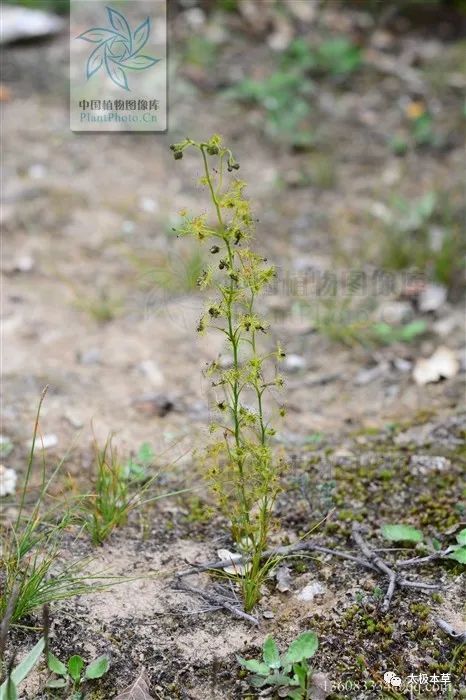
242	467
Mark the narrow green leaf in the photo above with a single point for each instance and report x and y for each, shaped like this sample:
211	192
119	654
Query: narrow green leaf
304	647
23	669
75	666
461	537
56	666
401	533
27	664
98	667
301	675
270	653
11	690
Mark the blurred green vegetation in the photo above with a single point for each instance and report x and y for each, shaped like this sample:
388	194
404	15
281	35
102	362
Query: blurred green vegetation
285	95
60	6
426	234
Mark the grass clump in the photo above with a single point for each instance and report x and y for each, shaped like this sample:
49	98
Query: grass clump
425	235
30	571
119	488
286	95
242	467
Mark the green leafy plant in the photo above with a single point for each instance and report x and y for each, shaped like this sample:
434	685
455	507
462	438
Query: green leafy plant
351	321
458	551
74	674
407	533
242	467
425	234
285	97
137	468
338	56
290	672
286	94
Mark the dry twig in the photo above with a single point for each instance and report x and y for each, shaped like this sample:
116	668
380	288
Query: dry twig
217	600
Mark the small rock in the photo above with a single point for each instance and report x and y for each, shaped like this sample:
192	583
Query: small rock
152	372
395	312
310	591
304	11
73	418
89	357
283	576
294	363
417	435
445	326
423	464
45	442
148	205
402	365
225	361
443	364
6	446
369	374
321	686
25	263
127	227
154	404
8	479
240	569
282	36
22	23
432	297
37	171
268	614
195	17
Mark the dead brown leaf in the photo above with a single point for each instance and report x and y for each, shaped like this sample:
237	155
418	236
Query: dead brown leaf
139	690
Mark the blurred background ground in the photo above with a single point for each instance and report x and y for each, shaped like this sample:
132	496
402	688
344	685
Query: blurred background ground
348	121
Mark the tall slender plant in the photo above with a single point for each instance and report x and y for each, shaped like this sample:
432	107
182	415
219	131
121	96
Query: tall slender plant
242	468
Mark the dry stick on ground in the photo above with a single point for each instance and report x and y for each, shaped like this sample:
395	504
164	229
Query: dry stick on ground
280	552
446	627
371	561
5	624
382	566
217	600
421	560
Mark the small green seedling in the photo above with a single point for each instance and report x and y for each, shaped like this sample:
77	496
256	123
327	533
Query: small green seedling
75	673
458	551
290	672
137	468
407	533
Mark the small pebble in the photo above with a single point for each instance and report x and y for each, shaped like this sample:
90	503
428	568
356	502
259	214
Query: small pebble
294	363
